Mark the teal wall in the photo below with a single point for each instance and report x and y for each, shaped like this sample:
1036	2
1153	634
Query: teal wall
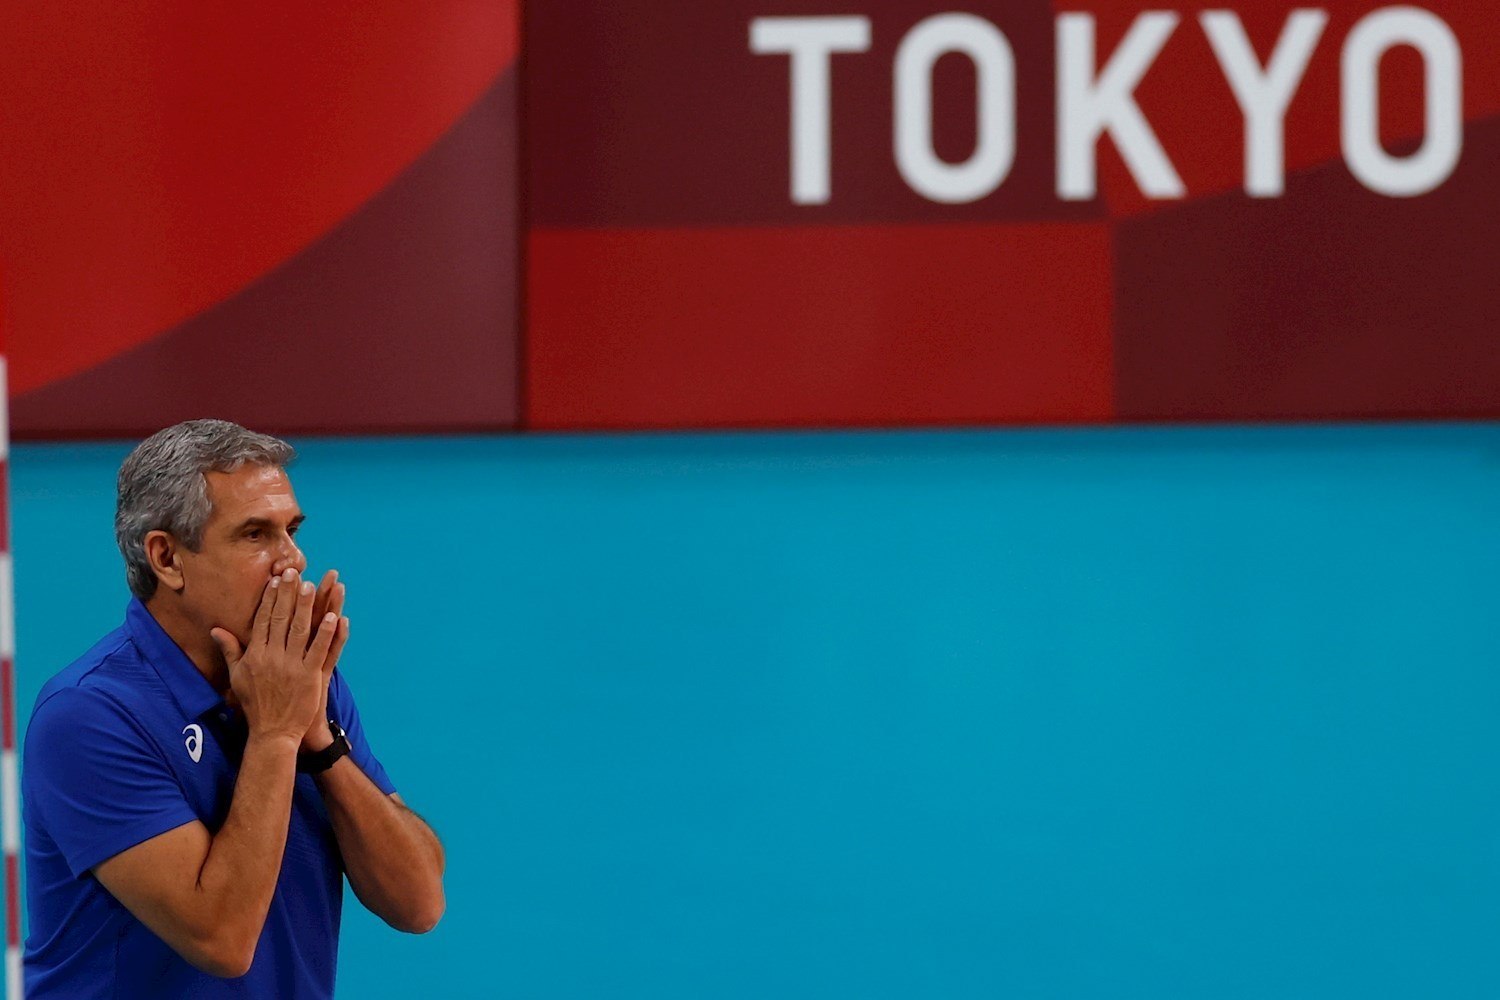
1102	713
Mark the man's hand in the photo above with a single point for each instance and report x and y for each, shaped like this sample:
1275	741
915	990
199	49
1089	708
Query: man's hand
329	600
276	677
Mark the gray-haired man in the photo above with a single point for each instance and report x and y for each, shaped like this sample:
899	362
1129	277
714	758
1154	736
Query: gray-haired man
198	784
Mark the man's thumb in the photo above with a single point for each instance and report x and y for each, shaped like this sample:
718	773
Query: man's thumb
228	644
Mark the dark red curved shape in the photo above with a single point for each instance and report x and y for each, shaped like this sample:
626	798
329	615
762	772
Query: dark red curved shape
161	156
403	318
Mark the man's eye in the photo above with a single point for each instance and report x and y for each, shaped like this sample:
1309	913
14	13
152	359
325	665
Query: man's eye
253	534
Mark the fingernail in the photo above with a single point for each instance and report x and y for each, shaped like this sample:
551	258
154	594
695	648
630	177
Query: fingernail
275	582
328	618
289	574
306	589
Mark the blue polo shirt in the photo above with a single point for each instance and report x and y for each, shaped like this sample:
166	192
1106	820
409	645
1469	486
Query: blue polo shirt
127	743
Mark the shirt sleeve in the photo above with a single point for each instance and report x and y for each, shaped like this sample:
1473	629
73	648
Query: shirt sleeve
96	781
343	711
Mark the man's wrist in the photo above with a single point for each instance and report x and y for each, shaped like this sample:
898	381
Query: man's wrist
318	761
318	738
273	742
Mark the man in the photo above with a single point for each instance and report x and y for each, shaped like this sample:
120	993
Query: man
198	783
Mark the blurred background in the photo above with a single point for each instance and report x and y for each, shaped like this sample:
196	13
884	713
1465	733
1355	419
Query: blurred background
870	502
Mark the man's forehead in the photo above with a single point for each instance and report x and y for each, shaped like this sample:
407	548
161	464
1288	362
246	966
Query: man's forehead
250	491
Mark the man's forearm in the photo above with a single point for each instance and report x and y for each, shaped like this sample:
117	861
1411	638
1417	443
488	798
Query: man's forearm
394	860
239	875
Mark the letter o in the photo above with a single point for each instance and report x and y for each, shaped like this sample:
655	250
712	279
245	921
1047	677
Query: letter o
1442	63
995	151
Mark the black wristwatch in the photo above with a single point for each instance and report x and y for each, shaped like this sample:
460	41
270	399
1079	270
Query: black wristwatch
317	763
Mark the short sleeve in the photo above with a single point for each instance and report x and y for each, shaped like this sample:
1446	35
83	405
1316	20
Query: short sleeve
342	709
95	781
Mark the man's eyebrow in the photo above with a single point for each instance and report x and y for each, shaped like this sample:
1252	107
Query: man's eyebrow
265	522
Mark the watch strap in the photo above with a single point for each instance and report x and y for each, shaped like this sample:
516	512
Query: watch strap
322	760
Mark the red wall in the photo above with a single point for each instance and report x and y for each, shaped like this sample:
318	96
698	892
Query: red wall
346	218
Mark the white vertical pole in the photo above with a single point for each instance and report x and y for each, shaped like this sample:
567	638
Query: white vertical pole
10	804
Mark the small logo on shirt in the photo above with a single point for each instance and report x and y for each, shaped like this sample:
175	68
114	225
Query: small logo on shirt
194	741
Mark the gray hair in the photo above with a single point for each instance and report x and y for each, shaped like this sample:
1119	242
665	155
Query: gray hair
162	486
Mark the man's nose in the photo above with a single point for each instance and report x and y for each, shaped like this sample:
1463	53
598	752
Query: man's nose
291	557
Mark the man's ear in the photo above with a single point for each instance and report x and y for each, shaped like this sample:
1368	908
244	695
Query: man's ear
163	553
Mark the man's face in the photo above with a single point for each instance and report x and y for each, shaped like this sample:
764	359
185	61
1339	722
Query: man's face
248	539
